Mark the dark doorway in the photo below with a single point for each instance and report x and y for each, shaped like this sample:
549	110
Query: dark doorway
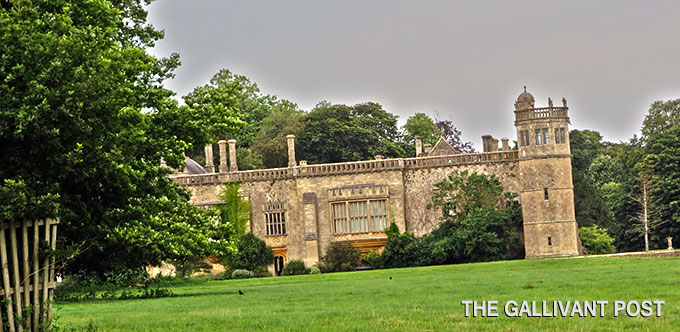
278	265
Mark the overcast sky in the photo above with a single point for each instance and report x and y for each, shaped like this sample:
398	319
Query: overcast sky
463	61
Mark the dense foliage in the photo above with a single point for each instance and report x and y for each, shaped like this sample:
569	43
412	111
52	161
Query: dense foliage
295	267
609	179
251	253
335	133
596	240
84	124
339	257
479	223
420	124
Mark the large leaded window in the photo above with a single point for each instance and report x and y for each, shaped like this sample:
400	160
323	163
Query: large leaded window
359	216
275	222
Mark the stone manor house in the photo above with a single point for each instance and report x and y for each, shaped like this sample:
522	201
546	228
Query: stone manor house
299	210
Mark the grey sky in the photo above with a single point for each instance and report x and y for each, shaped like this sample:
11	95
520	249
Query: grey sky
465	61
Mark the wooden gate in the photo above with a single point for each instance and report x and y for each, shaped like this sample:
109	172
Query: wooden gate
28	279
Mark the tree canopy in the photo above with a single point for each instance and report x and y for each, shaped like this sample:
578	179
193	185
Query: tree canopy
84	124
335	133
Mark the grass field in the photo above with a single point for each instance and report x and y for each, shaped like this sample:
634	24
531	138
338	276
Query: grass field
415	299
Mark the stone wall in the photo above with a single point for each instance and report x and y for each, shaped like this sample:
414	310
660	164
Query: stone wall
307	192
419	187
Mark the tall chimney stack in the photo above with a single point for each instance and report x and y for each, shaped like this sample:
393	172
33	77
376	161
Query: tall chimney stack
291	150
223	156
419	145
233	167
209	164
506	143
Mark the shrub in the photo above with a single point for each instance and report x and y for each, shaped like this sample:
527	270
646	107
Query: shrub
314	270
294	267
400	249
596	240
261	272
374	259
339	257
251	253
242	274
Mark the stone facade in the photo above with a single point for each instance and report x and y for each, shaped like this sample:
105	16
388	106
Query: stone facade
299	210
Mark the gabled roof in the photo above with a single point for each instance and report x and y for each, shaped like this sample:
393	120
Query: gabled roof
443	148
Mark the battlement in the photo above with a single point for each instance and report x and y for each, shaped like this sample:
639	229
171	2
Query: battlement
364	166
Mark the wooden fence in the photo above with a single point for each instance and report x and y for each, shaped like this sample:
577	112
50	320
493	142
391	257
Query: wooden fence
28	277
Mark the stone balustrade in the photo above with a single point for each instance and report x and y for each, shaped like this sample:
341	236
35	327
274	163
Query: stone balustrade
541	112
347	168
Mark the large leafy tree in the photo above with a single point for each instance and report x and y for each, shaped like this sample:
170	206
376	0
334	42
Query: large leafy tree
84	124
421	125
335	133
271	142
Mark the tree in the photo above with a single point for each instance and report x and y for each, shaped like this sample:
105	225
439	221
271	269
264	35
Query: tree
400	249
339	257
271	142
251	253
84	124
453	136
461	192
663	152
421	125
585	146
230	107
336	133
596	240
661	117
480	221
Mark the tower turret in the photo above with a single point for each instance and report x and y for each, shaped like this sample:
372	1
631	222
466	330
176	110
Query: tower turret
546	187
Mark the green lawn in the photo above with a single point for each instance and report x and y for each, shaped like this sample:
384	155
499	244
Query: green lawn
415	299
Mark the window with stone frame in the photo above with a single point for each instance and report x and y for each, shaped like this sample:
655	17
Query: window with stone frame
546	136
362	216
560	136
275	219
524	138
539	137
275	223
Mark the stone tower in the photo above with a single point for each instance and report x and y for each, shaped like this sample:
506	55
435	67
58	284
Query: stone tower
546	187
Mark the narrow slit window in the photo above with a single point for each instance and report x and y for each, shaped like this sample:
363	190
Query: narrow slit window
545	193
549	241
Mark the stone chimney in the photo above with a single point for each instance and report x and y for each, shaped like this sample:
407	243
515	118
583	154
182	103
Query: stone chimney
223	156
428	148
419	145
209	163
233	167
291	150
303	162
506	143
486	142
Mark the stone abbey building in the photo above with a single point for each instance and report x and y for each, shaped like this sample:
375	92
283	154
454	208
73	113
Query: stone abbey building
299	210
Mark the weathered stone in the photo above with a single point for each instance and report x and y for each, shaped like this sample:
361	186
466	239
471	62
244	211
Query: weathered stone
304	195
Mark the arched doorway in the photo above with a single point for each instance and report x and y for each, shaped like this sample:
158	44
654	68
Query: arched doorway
278	265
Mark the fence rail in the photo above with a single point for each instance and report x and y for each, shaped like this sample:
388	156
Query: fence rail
28	276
